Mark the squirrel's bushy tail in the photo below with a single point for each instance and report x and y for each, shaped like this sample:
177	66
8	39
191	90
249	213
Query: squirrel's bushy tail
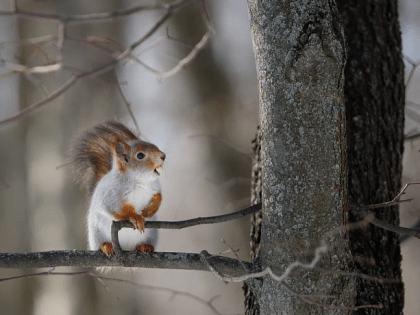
91	156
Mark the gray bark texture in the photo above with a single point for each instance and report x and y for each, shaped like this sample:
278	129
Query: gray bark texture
299	50
374	95
251	303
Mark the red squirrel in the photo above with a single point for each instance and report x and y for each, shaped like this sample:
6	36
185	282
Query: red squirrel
121	174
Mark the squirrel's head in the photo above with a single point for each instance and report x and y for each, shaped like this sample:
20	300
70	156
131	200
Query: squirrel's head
143	159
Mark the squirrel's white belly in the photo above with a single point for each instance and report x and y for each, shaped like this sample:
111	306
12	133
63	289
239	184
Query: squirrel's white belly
140	198
100	220
99	229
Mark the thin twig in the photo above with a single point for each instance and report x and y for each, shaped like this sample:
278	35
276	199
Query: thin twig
38	83
8	74
415	226
118	225
47	68
47	273
30	41
358	275
157	288
413	70
319	252
85	18
394	201
391	227
203	220
169	8
190	57
126	103
329	306
29	110
62	31
235	253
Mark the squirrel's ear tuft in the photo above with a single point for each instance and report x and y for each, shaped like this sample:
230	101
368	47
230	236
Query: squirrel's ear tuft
122	150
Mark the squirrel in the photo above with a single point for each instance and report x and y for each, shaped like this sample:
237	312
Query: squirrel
121	174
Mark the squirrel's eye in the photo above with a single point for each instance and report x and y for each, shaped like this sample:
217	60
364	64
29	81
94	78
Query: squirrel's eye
140	155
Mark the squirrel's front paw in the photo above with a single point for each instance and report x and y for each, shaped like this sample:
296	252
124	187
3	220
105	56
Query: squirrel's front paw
145	248
139	223
107	249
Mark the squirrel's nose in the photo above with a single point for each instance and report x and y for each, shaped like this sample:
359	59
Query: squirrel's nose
163	156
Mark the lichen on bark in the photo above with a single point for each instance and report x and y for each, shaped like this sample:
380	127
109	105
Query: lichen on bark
300	58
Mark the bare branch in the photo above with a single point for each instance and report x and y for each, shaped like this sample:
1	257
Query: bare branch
78	258
38	83
52	67
170	9
305	299
157	41
30	41
126	103
414	66
62	31
86	18
412	137
126	259
206	257
118	225
8	74
47	273
190	57
101	279
415	226
236	255
394	201
156	288
203	220
29	110
391	227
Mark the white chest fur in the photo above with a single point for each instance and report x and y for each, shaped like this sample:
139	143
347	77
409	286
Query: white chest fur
113	191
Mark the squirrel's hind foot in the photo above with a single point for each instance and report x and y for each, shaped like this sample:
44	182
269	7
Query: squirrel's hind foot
107	249
145	248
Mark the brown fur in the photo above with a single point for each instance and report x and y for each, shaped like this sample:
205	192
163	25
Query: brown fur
145	248
107	249
92	152
128	213
151	209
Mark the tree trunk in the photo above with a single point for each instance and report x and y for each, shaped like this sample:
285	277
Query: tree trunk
374	91
374	96
299	49
251	303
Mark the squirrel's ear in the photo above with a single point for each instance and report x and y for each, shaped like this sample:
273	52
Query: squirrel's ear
122	150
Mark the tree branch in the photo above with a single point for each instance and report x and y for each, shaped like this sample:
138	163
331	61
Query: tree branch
133	259
391	227
203	220
84	18
78	258
118	225
169	10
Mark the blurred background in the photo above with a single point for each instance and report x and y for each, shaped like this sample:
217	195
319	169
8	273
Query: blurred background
204	118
